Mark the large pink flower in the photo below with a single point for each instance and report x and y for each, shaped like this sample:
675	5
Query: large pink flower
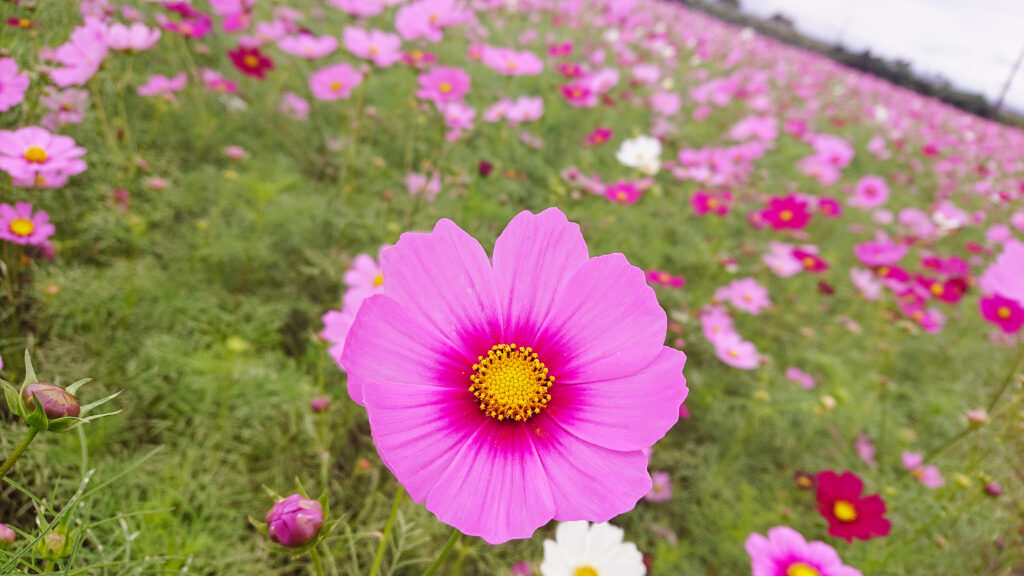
785	553
12	84
34	156
510	391
18	224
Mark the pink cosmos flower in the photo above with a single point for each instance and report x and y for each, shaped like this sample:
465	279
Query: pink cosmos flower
871	192
661	491
442	84
1005	276
781	261
35	157
789	213
163	86
512	62
798	376
458	117
337	324
666	103
866	283
334	82
507	392
429	188
134	38
732	349
579	95
663	278
715	201
294	521
599	136
623	192
360	8
746	294
786	553
927	475
193	24
82	55
715	322
880	253
560	49
428	18
363	280
65	106
217	82
18	224
382	48
810	260
308	46
12	84
865	450
524	109
1005	313
829	207
293	106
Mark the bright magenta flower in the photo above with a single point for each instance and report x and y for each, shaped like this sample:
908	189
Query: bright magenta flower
786	213
510	391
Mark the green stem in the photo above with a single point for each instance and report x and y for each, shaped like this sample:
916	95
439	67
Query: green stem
452	540
18	451
318	564
1009	381
379	558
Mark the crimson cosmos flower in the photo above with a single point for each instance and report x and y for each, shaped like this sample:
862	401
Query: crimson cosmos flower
849	515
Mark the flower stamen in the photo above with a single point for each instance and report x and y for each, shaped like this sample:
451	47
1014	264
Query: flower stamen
511	383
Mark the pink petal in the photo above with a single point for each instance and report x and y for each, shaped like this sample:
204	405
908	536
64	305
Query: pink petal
628	413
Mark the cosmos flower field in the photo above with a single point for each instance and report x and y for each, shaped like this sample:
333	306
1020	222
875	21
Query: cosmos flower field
557	288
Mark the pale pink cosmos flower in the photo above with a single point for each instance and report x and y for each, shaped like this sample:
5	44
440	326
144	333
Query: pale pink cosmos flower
12	84
442	84
458	117
799	377
65	106
661	491
746	294
82	55
135	38
508	391
865	450
235	152
334	82
308	46
880	253
382	48
513	62
1004	276
428	18
33	156
337	324
715	322
781	261
732	349
927	475
293	106
524	109
666	103
216	81
870	192
360	8
420	184
786	553
1017	220
363	279
158	85
867	283
20	225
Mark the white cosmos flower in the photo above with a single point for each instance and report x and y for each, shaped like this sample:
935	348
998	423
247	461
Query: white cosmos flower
582	549
642	153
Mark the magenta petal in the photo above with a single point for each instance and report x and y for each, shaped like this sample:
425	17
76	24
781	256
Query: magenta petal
628	413
534	258
606	323
389	345
446	277
588	482
495	488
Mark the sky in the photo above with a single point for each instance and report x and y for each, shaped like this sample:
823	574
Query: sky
973	43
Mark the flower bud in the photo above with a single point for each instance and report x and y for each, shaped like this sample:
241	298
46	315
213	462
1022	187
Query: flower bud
294	521
57	402
977	417
7	536
320	404
993	489
54	546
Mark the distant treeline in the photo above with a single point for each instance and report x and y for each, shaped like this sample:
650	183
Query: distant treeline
897	71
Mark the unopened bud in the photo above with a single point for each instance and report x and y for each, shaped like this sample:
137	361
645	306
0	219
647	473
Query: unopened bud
294	521
56	401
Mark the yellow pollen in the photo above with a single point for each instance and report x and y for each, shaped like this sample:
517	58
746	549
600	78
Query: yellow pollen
577	93
883	271
785	215
511	383
40	181
445	87
24	23
734	354
937	289
844	511
585	571
251	61
809	262
712	203
36	155
1003	312
22	227
186	28
664	276
804	482
416	54
801	569
378	280
373	50
335	86
917	315
433	19
622	196
511	65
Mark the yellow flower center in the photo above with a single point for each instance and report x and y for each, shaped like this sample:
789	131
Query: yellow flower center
445	87
664	277
335	86
378	280
804	482
251	61
511	65
22	227
622	196
801	569
36	155
373	50
433	19
586	571
24	23
511	383
844	511
1003	312
577	93
712	203
937	289
883	271
785	215
809	262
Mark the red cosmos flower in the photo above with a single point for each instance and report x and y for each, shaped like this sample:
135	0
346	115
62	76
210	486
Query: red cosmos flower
251	62
810	261
786	213
849	515
23	23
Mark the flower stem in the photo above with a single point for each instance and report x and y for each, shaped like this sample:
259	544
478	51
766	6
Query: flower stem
379	558
452	540
18	451
318	564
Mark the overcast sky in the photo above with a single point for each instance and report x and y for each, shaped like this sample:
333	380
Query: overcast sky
973	43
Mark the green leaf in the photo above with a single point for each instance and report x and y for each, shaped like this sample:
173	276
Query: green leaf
30	372
37	418
101	401
73	389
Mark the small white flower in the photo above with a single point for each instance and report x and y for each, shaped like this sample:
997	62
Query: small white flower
582	549
642	153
